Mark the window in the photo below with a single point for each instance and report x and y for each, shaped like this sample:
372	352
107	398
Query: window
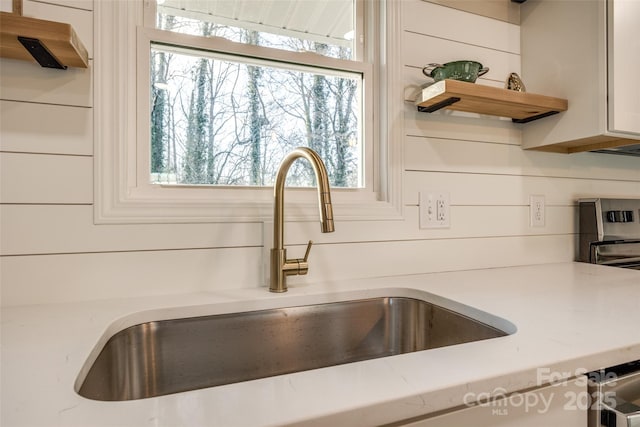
225	119
197	102
228	121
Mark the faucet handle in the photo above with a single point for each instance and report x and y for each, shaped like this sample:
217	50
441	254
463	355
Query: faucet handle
306	254
297	266
303	264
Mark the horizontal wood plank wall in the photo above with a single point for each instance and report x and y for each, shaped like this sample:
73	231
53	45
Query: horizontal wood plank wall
51	251
504	10
68	130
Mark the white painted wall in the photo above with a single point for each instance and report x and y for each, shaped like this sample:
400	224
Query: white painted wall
52	252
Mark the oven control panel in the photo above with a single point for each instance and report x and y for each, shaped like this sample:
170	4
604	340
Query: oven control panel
609	232
619	216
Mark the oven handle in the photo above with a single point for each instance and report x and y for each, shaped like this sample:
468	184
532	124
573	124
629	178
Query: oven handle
594	250
629	416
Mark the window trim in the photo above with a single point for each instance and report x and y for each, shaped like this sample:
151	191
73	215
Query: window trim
121	198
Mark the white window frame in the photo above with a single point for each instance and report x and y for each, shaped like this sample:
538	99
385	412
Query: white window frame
123	193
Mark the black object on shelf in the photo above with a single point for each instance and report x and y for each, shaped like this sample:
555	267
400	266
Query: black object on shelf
532	118
439	105
40	53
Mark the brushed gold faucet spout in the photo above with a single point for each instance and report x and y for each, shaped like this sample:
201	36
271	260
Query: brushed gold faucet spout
280	265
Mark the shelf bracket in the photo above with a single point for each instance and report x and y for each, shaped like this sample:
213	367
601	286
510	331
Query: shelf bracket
532	118
439	105
40	53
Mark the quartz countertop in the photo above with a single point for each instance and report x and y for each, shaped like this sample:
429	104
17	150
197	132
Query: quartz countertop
570	318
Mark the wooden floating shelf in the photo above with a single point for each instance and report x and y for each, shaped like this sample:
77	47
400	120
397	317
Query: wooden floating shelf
457	95
58	39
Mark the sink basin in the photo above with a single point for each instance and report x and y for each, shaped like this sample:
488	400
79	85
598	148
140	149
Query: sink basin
169	356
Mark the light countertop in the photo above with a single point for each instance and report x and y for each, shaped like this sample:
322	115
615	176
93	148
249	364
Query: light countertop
570	318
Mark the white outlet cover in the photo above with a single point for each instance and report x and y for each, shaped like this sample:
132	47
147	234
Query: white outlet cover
537	211
434	209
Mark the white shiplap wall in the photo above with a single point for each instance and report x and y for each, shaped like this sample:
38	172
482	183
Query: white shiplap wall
52	252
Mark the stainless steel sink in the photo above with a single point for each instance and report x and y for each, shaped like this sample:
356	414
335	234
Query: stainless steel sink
169	356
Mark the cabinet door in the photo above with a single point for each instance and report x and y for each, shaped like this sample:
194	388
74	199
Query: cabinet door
563	405
624	63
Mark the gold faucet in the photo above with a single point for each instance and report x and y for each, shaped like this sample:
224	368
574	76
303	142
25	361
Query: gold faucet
280	265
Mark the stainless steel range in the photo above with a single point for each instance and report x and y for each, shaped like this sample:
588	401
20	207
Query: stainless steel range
616	394
610	235
610	232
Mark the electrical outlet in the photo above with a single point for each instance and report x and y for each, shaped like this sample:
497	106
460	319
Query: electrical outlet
536	211
441	210
434	209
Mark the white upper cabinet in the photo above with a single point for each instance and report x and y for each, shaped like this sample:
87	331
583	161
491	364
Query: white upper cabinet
588	52
624	62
